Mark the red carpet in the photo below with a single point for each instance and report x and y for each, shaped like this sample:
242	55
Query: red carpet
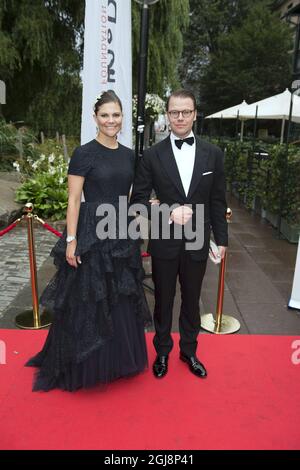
250	400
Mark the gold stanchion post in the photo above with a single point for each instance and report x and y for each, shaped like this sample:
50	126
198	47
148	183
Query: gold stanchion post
31	319
222	324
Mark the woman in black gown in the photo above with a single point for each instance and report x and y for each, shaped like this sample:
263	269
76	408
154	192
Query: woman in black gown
97	296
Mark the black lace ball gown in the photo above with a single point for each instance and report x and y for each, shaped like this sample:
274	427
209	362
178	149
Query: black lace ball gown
99	308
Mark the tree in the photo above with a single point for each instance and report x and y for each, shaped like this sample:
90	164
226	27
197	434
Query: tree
41	55
251	62
40	60
209	19
168	21
211	32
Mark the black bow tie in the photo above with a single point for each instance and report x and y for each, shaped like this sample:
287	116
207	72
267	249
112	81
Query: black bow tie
188	140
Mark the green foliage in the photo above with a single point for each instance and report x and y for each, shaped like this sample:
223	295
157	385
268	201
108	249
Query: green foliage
47	186
252	61
52	146
209	19
41	54
10	138
23	143
269	179
42	169
154	106
14	142
235	50
40	59
168	21
282	171
9	57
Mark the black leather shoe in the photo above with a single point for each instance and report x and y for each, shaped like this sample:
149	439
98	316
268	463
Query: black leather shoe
195	365
160	366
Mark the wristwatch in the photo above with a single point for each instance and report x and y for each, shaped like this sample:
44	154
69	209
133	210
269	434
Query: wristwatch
70	238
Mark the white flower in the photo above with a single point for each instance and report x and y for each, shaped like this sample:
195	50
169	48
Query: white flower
51	171
61	180
99	96
35	165
16	165
154	105
42	157
51	158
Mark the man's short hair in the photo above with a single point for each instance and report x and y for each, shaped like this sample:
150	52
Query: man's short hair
182	94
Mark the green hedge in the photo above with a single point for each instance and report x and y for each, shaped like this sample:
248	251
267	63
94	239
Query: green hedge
253	176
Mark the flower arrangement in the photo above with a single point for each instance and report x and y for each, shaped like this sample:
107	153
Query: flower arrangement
154	106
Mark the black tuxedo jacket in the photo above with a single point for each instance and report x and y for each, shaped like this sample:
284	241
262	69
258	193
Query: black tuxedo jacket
158	170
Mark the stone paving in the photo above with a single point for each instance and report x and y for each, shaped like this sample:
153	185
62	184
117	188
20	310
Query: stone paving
14	260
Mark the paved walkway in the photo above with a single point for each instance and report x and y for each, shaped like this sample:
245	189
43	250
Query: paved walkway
14	261
259	277
258	281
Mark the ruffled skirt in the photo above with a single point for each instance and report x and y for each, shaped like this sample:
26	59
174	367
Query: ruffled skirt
99	309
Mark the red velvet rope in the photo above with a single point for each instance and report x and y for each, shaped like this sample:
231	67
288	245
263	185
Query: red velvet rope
59	234
8	229
51	229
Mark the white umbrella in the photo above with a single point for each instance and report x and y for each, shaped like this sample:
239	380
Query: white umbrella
230	113
276	107
233	112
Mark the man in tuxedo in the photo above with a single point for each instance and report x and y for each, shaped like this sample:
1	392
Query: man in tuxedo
182	170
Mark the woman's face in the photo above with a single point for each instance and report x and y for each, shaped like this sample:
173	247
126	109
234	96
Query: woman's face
109	119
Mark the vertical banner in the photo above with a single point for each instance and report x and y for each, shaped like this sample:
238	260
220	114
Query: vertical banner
107	63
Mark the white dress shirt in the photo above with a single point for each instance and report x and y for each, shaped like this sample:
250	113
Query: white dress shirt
185	159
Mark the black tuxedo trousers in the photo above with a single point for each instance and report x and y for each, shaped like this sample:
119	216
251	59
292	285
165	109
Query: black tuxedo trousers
164	274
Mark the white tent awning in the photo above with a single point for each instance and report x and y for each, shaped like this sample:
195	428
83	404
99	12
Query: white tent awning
230	113
274	107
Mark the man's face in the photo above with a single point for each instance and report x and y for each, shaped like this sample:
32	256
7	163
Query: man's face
181	114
